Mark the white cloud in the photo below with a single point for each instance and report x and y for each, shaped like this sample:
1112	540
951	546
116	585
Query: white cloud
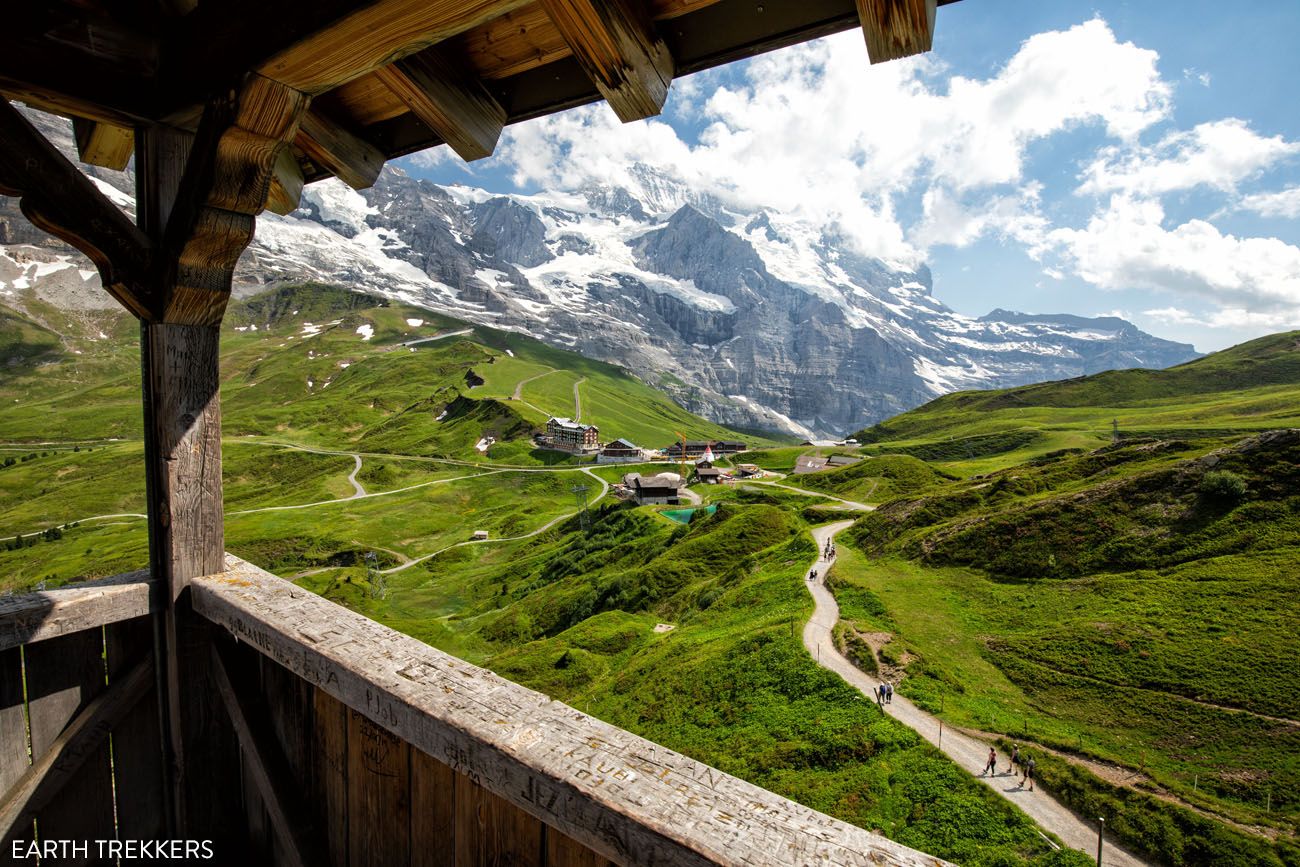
1284	203
815	132
1219	154
1235	318
1191	73
1126	246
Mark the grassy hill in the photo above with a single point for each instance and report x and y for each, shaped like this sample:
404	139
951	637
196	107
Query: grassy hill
1251	387
1126	604
311	366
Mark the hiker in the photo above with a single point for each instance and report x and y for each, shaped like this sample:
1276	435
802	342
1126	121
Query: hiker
1015	758
889	693
880	695
991	767
1030	765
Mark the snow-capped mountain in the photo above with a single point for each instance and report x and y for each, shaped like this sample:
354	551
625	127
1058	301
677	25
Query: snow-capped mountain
754	319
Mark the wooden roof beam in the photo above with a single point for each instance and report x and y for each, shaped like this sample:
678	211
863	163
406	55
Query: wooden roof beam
103	144
350	158
310	45
57	197
454	104
286	184
896	28
618	49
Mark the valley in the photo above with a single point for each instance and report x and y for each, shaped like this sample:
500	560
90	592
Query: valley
1021	573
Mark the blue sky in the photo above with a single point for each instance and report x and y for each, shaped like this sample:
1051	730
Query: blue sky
1135	158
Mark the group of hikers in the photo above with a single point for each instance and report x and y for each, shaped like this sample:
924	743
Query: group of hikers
1023	761
885	693
828	553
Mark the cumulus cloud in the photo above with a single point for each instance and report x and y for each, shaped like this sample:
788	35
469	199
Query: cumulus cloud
816	132
1126	245
1283	203
1219	154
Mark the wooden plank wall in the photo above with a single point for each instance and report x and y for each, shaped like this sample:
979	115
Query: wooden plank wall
44	685
376	800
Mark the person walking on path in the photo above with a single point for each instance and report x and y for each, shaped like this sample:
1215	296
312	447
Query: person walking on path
1030	765
889	693
1015	758
991	767
880	696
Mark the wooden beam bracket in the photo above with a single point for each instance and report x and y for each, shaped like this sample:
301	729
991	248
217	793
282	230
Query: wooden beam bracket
227	182
58	198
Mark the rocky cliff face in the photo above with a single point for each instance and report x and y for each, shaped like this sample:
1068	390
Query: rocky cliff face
752	319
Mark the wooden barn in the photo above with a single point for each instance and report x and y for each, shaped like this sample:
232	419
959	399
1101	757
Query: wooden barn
263	720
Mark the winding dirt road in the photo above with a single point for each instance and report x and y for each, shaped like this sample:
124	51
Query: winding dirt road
968	752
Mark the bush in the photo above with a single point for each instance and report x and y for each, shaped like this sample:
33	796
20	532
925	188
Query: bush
1223	486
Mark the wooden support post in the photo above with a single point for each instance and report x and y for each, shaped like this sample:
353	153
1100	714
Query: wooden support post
197	198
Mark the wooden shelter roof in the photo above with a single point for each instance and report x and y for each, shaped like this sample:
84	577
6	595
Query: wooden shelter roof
390	77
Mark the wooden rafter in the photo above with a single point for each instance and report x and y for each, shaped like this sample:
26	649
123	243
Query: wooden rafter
350	158
454	103
616	45
58	198
311	45
78	742
896	28
286	184
103	144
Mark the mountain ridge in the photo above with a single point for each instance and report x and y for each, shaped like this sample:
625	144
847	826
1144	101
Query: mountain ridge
748	317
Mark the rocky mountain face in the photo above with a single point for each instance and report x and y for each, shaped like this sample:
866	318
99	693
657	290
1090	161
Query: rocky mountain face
752	319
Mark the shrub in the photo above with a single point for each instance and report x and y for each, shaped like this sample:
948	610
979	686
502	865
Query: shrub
1223	486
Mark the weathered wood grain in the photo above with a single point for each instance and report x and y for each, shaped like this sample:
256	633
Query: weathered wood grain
351	159
564	851
492	831
628	799
14	760
433	812
330	772
33	617
379	794
454	103
527	38
137	739
58	198
64	676
286	184
896	28
375	35
287	816
53	789
619	50
103	144
225	184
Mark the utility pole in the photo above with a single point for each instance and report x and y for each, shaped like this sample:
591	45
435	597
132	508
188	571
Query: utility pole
378	580
580	497
1101	836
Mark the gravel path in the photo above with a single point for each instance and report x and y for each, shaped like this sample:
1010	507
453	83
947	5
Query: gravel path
968	752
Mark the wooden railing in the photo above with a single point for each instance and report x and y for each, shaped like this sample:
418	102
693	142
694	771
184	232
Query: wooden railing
76	666
351	744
